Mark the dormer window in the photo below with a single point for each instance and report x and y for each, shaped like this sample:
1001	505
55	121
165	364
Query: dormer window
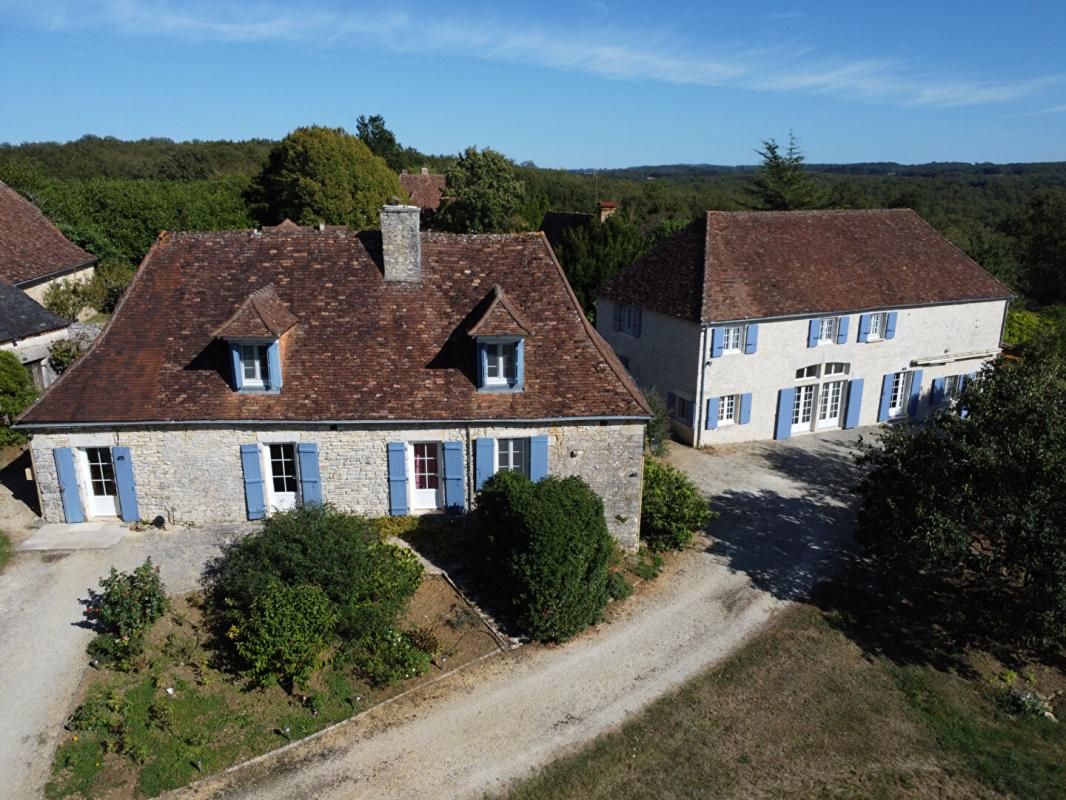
253	335
501	365
254	366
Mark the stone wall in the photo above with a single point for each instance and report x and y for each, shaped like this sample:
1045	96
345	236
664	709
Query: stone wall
194	475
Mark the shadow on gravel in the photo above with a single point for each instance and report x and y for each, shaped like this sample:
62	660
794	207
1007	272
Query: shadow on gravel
13	478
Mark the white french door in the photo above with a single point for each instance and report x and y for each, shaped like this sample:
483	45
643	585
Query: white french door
830	404
98	478
803	408
426	491
284	479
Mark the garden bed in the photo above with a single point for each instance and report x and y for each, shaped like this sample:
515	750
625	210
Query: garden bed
185	715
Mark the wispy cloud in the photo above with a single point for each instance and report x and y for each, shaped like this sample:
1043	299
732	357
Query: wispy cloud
609	53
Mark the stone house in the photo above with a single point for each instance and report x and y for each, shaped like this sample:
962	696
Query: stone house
760	325
387	372
426	190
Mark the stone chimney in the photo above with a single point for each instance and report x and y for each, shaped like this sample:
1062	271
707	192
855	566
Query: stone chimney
401	245
607	209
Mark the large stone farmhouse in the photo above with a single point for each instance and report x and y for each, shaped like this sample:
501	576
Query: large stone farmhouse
759	325
393	372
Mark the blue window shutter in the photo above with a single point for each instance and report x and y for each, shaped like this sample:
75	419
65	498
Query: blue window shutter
717	342
671	401
274	364
812	333
538	457
637	314
310	479
254	497
890	325
751	339
482	363
864	328
842	330
238	369
851	420
690	420
785	399
916	393
484	461
397	453
745	408
68	484
886	397
712	413
520	364
618	316
454	493
127	489
936	395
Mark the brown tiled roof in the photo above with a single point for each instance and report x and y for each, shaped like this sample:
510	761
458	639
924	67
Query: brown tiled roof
262	314
758	264
426	189
363	350
31	247
501	318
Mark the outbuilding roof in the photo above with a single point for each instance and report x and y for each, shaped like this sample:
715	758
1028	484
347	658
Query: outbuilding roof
730	266
22	317
31	247
363	349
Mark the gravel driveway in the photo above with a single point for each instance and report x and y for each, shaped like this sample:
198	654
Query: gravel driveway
42	647
786	520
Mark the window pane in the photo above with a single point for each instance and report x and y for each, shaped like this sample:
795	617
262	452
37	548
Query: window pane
264	369
509	361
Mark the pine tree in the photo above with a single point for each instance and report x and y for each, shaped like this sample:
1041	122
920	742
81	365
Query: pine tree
782	182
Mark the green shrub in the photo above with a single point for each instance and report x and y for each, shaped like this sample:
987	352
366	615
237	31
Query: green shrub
109	281
657	431
673	509
552	549
384	655
285	632
16	394
618	587
5	549
63	354
646	565
123	611
65	299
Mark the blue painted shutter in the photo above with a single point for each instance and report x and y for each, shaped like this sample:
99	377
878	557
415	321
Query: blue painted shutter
916	392
310	479
254	497
637	315
751	339
812	333
454	493
127	489
238	369
936	395
274	365
690	420
745	408
397	455
851	420
890	325
886	397
618	316
842	330
785	400
717	342
68	484
484	461
520	364
538	458
712	413
482	364
864	328
671	401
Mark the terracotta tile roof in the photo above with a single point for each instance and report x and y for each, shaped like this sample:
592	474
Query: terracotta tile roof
22	317
426	189
758	264
263	314
31	247
500	318
363	350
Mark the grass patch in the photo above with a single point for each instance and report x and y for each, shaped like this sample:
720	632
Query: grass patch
803	712
6	549
185	715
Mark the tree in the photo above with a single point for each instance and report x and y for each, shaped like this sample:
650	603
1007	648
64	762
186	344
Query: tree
1041	239
16	394
782	183
487	194
594	253
319	174
381	141
979	497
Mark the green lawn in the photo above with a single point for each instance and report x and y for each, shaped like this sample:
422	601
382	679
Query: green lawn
5	549
803	712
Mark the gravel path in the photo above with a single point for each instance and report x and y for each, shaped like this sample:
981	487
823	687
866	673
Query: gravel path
786	520
42	647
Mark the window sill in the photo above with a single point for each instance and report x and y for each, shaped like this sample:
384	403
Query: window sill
257	390
502	388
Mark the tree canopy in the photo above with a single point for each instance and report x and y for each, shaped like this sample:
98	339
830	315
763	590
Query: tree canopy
979	497
592	254
16	394
782	182
318	174
486	192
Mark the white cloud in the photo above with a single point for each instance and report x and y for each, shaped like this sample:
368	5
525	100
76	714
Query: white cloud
604	52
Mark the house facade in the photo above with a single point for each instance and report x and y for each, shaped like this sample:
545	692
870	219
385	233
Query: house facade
767	325
245	372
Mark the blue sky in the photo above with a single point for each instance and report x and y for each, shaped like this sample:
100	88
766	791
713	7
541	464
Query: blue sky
570	84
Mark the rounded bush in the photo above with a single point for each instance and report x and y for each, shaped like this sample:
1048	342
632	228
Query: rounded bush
673	508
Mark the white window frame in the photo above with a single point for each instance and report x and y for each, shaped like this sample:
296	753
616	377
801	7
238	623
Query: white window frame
258	361
881	319
631	320
728	408
827	330
834	368
733	339
266	462
814	369
684	419
952	388
503	357
510	457
900	390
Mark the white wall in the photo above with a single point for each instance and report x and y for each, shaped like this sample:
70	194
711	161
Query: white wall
951	330
38	290
35	348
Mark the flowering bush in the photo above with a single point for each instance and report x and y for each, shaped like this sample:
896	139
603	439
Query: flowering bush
122	611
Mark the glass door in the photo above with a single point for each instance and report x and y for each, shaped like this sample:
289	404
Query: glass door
427	486
100	479
829	404
285	485
803	408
